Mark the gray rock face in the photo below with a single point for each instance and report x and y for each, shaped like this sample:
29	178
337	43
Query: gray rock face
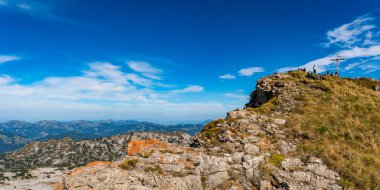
266	90
291	163
312	175
238	157
251	149
167	167
262	94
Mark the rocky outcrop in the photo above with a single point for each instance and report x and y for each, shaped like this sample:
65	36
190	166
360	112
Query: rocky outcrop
255	153
157	165
270	88
263	93
71	153
310	175
34	179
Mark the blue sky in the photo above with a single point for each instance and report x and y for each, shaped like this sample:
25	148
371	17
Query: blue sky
169	61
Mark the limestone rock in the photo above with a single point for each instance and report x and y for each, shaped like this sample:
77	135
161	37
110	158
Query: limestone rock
238	157
251	148
291	163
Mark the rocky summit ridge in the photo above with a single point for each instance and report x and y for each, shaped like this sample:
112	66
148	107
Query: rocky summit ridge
299	131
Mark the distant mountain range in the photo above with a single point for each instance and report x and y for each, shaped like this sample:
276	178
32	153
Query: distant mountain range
69	153
15	134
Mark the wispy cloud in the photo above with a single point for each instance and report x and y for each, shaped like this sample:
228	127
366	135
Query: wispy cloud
103	90
5	80
106	71
369	68
36	8
356	40
8	58
250	71
145	69
102	81
356	33
322	63
227	76
351	66
189	89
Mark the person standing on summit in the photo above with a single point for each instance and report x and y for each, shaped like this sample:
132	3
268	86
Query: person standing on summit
314	70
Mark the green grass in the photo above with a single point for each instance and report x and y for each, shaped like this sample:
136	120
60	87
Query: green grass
147	154
23	174
211	131
3	177
128	164
365	82
156	168
276	159
339	121
204	182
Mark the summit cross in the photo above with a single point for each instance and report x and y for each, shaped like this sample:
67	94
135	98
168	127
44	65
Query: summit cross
337	61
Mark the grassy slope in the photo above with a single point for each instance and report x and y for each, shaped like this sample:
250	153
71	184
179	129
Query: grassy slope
338	120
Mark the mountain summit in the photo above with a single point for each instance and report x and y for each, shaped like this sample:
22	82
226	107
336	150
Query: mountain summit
298	131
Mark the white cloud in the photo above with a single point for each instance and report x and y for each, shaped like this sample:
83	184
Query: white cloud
7	58
376	58
193	88
357	32
107	71
250	71
112	73
369	68
351	66
5	79
189	89
227	76
145	69
103	91
102	81
36	8
240	97
324	62
136	79
356	39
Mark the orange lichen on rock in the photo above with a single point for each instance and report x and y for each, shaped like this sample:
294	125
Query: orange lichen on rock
139	147
59	186
97	163
80	170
